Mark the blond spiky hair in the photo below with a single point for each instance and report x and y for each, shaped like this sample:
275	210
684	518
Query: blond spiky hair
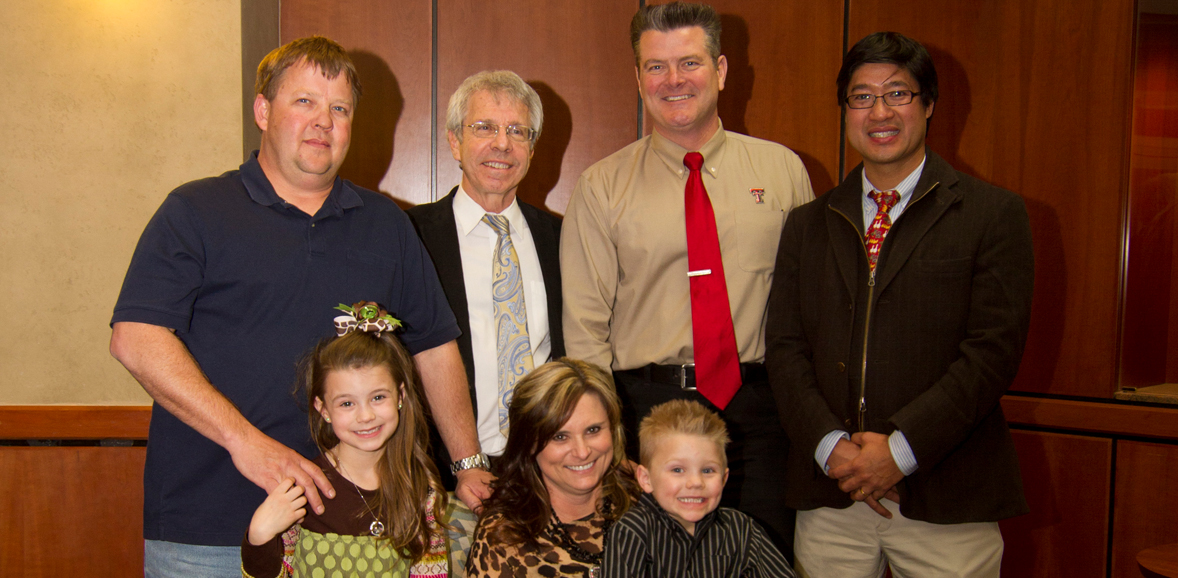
680	416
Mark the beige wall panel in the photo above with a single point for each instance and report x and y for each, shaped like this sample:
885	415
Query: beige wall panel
112	105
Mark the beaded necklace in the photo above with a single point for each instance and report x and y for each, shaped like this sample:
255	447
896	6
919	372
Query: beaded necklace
559	535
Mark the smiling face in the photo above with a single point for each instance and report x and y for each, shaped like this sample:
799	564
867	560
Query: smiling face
890	138
306	129
492	167
686	474
576	458
361	405
680	84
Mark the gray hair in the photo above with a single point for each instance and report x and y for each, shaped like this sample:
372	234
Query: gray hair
497	82
673	16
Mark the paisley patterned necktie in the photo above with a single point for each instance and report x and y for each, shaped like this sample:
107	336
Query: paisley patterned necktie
512	347
880	224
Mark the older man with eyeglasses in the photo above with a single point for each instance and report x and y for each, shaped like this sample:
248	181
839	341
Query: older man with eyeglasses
497	257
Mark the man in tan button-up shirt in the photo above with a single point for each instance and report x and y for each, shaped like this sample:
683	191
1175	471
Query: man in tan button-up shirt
627	303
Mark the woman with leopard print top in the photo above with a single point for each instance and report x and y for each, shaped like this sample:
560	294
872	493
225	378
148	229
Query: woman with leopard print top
563	478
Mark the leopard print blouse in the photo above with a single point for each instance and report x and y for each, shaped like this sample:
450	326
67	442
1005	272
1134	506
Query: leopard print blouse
544	559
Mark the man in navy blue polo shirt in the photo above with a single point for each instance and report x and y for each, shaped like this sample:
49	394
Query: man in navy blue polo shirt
233	279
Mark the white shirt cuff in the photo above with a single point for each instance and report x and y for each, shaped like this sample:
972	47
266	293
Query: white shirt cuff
901	452
826	447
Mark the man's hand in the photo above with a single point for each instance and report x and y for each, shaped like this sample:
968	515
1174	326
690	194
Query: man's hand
872	474
168	372
874	504
267	463
844	451
282	508
445	386
474	486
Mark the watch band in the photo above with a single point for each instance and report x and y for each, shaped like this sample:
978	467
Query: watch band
478	460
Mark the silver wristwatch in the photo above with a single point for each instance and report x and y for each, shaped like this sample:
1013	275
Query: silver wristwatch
478	460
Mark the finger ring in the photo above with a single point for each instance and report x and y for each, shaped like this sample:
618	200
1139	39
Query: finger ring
862	492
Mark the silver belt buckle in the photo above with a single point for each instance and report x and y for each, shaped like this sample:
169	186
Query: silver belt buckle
683	377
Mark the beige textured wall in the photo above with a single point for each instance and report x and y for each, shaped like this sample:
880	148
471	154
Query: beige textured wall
109	104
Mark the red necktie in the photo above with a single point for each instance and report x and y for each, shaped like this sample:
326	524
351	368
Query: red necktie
880	224
717	363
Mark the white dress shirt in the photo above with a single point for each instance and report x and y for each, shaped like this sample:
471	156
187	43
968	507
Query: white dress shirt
476	242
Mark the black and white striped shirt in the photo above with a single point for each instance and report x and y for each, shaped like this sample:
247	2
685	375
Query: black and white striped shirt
648	543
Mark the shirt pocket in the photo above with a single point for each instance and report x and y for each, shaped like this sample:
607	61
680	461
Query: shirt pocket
371	276
757	235
961	267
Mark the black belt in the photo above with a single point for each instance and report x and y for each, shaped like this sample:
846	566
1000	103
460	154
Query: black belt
684	375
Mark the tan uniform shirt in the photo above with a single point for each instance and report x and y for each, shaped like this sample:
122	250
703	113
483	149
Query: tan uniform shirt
623	246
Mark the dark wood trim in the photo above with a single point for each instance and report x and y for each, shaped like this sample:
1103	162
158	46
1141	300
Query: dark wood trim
1092	417
259	35
74	422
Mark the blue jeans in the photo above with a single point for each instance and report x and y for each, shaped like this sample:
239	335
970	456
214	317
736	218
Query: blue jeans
172	560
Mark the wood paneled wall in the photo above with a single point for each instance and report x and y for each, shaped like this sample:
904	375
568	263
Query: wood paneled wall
72	510
391	45
1099	480
1149	351
1036	97
1146	502
578	58
1065	534
781	75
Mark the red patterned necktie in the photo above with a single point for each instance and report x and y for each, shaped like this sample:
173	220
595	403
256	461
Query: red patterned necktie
880	224
717	363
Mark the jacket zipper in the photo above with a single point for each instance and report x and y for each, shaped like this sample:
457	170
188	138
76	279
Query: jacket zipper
867	314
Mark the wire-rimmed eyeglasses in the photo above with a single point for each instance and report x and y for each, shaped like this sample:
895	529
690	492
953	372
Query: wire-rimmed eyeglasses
515	132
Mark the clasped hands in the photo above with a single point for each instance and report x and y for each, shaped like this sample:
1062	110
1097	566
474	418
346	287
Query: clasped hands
866	470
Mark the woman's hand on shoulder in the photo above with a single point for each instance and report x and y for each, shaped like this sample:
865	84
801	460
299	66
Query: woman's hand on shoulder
285	506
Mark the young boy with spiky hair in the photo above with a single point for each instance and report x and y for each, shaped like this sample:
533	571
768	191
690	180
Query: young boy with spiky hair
677	528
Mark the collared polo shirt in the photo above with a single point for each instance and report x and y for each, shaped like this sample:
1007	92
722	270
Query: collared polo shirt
248	283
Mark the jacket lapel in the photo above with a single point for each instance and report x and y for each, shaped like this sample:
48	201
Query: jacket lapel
844	222
439	233
934	194
442	235
546	239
